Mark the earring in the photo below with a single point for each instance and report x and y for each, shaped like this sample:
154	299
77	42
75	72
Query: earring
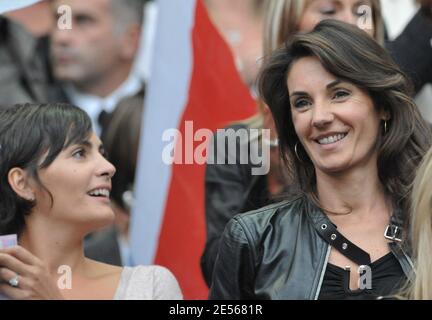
385	126
296	153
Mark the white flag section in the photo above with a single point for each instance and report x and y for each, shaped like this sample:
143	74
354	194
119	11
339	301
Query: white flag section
10	5
167	94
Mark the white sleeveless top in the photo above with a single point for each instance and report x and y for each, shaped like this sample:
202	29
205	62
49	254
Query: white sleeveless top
147	283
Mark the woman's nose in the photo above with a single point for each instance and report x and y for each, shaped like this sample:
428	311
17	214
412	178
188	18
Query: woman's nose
321	116
106	168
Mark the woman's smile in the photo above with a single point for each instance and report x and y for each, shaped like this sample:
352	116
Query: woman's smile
331	141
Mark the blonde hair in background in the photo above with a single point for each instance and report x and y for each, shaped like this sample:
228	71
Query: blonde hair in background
283	17
421	232
280	22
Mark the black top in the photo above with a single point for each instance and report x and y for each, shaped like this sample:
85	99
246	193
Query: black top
387	278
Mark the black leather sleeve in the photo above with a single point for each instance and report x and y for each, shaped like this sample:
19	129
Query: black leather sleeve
412	50
225	195
233	275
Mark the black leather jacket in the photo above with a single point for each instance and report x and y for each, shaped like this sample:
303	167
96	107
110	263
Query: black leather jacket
277	253
229	190
232	188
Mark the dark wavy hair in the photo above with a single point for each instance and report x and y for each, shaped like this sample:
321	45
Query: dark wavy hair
31	137
351	55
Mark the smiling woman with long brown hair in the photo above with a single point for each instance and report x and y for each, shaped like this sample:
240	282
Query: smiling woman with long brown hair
353	137
231	188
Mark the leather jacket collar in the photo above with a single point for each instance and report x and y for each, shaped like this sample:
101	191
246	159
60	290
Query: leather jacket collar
276	252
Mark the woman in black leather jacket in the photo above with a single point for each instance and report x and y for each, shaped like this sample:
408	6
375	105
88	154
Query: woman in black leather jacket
231	188
354	138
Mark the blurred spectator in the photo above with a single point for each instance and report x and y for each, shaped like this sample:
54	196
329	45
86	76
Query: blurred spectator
410	34
24	72
121	141
37	18
240	23
412	49
94	59
144	56
420	288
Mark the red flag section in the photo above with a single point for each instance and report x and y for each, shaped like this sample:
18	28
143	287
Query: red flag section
217	97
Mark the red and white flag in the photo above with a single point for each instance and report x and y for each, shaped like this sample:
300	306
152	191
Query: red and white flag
194	84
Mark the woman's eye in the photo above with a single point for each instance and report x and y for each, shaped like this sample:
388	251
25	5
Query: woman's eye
340	94
328	11
80	153
301	103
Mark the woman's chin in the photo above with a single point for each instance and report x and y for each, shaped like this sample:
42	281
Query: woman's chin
100	221
333	168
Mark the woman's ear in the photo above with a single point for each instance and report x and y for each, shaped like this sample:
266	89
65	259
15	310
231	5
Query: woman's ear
385	115
19	181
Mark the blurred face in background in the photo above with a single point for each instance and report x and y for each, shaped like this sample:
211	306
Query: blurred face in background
92	48
356	12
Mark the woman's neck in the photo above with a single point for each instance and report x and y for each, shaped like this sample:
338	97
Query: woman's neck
56	244
359	192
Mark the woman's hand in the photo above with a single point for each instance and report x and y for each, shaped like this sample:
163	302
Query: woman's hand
34	280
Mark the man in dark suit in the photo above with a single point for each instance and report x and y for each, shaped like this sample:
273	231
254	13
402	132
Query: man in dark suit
93	59
412	50
24	70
